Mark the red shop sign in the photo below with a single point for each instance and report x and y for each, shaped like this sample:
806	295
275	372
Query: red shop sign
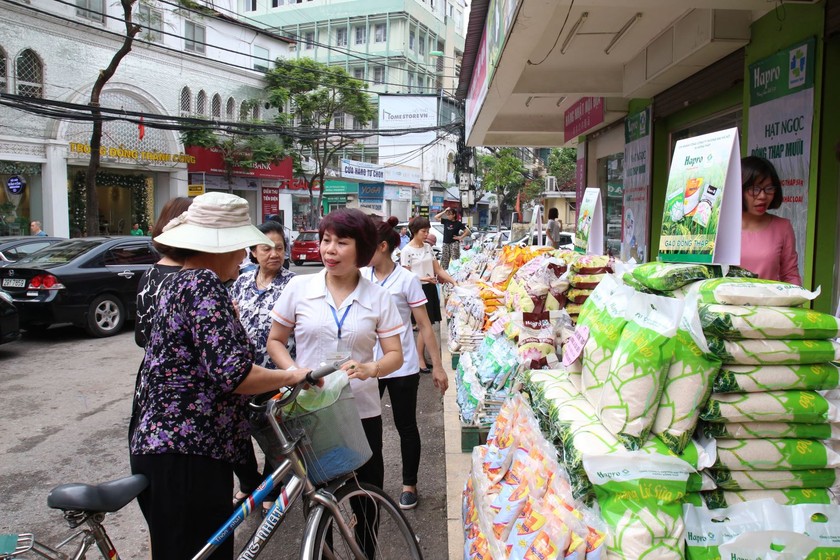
270	200
209	160
585	114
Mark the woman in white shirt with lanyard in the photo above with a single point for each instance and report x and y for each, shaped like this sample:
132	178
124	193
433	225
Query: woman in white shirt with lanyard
338	310
402	385
418	257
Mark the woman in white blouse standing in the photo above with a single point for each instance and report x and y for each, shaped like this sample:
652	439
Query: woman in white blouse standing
338	310
402	385
418	257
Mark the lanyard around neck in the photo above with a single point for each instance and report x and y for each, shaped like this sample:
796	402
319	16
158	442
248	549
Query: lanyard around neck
373	276
339	322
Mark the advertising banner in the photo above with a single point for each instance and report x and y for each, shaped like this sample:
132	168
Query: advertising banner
780	124
589	237
270	201
580	176
371	191
408	112
702	217
637	174
361	171
211	161
586	113
478	86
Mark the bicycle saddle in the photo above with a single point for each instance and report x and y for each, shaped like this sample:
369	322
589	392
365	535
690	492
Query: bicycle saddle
106	497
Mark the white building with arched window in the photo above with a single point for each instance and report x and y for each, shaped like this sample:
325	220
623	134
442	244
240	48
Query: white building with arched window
184	62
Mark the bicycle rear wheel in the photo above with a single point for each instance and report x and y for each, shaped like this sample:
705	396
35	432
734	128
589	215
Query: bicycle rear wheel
379	525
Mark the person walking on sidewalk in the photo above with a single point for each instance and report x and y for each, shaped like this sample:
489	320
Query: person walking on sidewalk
453	232
407	294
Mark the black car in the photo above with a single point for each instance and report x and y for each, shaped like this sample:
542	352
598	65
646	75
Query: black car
12	249
9	323
90	282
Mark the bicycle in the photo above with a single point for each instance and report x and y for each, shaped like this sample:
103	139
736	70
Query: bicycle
344	518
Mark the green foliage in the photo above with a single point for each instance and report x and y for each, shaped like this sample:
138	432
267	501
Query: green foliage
503	173
309	94
562	163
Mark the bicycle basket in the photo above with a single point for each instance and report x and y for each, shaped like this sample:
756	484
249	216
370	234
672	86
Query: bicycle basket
332	439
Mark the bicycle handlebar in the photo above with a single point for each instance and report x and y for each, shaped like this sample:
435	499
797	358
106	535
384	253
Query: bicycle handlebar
259	402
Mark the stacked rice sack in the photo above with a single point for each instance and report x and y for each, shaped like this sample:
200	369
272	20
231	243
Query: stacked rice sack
586	272
484	378
775	406
465	318
517	503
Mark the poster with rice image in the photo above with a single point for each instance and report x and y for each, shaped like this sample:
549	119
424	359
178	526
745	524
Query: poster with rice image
701	222
589	237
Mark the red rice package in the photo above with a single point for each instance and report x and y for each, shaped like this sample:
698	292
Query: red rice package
585	281
577	295
593	264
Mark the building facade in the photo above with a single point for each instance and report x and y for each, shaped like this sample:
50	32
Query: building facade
185	62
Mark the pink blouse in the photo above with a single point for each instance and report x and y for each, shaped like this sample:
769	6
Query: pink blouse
771	252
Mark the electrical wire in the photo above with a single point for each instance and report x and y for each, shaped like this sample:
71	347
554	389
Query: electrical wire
557	40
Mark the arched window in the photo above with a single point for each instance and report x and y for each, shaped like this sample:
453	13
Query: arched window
29	71
230	109
216	107
201	103
3	79
186	102
255	112
243	111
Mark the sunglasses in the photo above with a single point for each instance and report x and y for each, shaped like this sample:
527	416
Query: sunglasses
756	190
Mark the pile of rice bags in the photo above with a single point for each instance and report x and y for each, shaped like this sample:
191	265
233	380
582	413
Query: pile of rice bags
465	318
484	378
517	503
775	407
585	273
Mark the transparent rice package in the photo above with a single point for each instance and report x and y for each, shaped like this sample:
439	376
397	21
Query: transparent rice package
774	480
737	322
763	430
805	407
753	291
688	383
756	379
628	403
496	359
716	499
774	352
706	529
776	454
641	502
777	545
604	314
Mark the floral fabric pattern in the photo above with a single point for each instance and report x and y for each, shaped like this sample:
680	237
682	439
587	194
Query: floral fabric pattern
255	307
197	354
147	291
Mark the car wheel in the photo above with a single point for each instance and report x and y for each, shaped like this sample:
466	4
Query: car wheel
298	263
106	316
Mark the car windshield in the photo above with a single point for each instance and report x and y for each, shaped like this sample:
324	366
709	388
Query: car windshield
308	236
61	253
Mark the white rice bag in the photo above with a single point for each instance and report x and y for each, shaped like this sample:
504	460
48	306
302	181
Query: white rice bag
806	407
757	379
736	322
774	352
753	291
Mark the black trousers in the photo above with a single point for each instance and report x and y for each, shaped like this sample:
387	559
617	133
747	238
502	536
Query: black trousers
403	393
187	500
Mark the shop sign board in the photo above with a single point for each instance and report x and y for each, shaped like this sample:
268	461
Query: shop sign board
580	175
701	221
376	207
423	211
195	190
589	237
371	191
781	117
637	178
118	153
211	161
270	201
500	16
408	112
478	87
340	188
584	114
362	170
15	184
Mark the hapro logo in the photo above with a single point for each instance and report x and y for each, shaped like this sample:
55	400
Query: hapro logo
797	68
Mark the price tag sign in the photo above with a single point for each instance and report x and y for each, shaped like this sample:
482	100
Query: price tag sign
574	346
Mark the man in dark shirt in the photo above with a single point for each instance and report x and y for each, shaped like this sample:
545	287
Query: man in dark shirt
453	232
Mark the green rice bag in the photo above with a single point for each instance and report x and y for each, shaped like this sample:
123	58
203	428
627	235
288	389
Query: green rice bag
757	379
694	498
604	315
641	503
774	480
716	499
664	277
736	322
700	481
688	382
774	352
753	291
776	454
806	407
638	368
763	430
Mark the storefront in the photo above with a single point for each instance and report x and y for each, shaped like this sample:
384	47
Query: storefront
20	194
339	194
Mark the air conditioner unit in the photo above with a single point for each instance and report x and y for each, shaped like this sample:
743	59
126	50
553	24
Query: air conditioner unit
551	183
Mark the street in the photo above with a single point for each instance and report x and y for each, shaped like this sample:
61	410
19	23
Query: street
66	400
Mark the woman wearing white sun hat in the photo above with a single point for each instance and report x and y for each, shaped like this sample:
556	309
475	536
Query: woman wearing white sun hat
189	426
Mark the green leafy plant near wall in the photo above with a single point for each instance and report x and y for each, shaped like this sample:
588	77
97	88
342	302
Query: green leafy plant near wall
139	197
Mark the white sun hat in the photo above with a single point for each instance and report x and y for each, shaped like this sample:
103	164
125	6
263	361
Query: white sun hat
215	222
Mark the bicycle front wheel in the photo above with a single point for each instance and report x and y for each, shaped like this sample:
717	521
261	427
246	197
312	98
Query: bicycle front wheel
380	528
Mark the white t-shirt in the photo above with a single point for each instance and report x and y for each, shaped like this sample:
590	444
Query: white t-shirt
420	260
306	306
406	292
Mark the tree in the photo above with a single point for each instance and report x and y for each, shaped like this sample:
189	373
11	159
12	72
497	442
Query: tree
238	150
131	29
311	95
562	163
503	173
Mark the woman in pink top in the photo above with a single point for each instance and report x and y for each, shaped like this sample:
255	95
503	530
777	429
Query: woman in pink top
768	244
